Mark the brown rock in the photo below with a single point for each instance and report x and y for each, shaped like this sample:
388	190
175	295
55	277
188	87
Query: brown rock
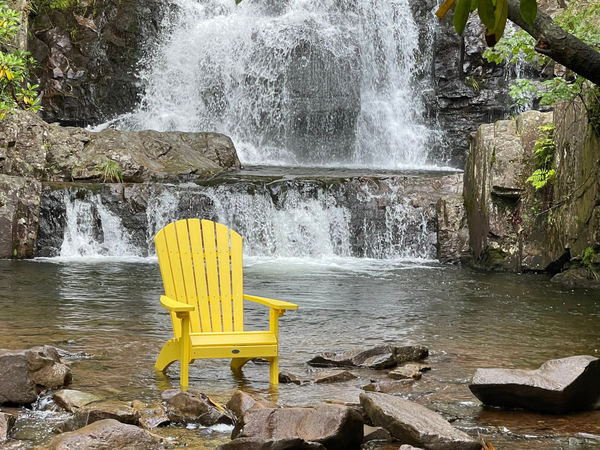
26	373
118	411
194	406
6	423
414	424
19	211
389	386
106	435
380	357
336	427
241	402
413	371
72	400
261	444
150	417
334	377
558	386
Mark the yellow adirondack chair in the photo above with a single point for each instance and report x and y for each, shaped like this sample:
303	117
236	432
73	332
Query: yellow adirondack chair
201	267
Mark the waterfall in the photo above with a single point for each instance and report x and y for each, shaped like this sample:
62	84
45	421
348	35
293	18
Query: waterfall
318	219
293	82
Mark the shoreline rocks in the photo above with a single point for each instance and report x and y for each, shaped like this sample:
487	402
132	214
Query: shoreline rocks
559	386
380	357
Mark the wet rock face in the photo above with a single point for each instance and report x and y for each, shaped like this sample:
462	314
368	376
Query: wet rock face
192	407
106	434
19	212
24	374
7	421
414	424
380	357
559	386
88	55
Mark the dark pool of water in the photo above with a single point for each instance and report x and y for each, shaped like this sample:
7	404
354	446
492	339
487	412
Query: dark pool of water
110	309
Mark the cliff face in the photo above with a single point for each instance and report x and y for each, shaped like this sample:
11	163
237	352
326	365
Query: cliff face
514	227
88	53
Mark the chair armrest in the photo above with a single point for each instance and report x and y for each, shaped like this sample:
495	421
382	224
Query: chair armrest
276	304
175	306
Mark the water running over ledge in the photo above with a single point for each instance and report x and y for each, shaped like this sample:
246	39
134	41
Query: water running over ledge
295	82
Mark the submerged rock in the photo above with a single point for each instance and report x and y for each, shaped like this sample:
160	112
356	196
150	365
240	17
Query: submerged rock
388	386
150	416
333	427
319	377
25	374
558	386
380	357
414	424
118	411
106	434
413	371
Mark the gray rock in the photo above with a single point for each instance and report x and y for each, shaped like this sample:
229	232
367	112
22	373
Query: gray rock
19	211
410	370
6	423
150	417
558	386
453	232
194	407
414	424
409	447
26	373
376	434
318	377
104	435
335	427
380	357
72	400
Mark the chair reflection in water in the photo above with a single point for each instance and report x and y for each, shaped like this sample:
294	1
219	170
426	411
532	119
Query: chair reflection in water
201	267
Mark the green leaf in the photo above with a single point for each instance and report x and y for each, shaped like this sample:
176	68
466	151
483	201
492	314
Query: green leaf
486	13
529	10
461	15
501	14
474	4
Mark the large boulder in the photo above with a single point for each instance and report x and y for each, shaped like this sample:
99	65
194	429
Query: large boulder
26	373
335	427
29	147
558	386
241	402
106	435
19	215
414	424
380	357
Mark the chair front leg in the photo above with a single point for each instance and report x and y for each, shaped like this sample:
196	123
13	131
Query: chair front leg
185	349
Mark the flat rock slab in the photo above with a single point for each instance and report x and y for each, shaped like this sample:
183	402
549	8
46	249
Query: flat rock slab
319	378
104	435
72	400
380	357
558	386
414	424
335	427
389	386
26	373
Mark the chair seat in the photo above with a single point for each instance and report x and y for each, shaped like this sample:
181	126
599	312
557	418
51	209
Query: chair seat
234	339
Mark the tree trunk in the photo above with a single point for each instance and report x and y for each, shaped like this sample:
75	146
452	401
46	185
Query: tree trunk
559	45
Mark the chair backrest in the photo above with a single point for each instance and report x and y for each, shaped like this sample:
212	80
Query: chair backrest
201	265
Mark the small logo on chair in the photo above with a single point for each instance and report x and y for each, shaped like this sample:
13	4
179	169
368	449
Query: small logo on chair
235	351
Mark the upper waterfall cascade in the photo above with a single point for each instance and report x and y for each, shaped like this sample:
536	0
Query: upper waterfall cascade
293	82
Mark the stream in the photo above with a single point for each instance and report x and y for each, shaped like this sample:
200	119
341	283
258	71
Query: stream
107	308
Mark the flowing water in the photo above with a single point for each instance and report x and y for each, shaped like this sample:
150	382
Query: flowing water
108	308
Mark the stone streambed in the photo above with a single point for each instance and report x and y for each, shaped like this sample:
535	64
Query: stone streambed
35	379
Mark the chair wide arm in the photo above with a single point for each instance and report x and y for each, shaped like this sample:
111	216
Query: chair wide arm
174	305
271	303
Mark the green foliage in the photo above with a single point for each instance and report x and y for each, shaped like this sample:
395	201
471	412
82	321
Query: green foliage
61	5
15	92
110	171
588	260
544	150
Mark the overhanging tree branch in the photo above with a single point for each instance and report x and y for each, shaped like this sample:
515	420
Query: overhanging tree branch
559	45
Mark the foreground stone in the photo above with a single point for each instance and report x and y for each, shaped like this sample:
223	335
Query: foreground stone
414	424
6	423
333	427
319	378
19	211
104	435
241	402
118	411
380	357
558	386
413	371
150	416
25	374
192	407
